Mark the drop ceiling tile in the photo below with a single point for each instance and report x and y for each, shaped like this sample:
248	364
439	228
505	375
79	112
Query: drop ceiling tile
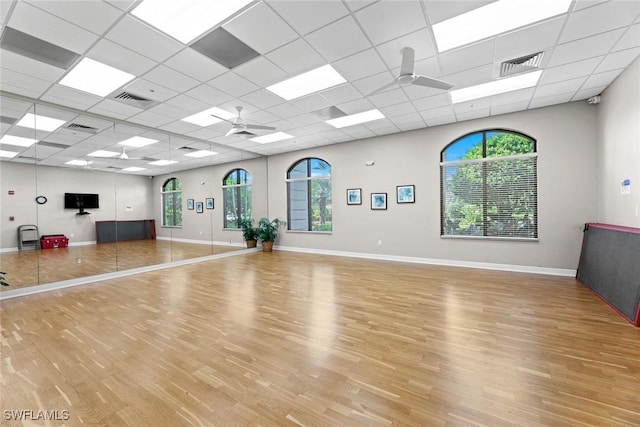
551	100
170	78
620	59
261	28
355	5
471	106
264	117
110	108
121	4
435	113
454	61
398	110
560	87
474	76
630	39
371	83
96	17
439	121
285	110
203	94
407	118
311	103
233	84
261	72
441	10
475	114
356	106
599	19
584	48
570	71
509	108
340	94
262	98
64	95
115	55
535	38
581	4
420	41
143	39
22	84
195	65
22	64
296	57
360	65
388	19
168	110
45	26
308	16
387	98
430	102
588	93
514	97
149	118
601	79
339	39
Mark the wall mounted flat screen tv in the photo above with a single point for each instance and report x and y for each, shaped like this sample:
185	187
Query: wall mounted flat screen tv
81	201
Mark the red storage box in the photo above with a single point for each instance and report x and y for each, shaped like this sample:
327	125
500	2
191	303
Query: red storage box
54	241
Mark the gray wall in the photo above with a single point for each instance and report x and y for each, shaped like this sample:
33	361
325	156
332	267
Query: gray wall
121	196
566	136
618	149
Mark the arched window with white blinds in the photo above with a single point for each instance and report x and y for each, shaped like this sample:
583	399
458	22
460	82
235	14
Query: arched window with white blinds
488	184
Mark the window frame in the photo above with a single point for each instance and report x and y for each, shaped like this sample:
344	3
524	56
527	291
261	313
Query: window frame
309	178
485	161
237	194
175	203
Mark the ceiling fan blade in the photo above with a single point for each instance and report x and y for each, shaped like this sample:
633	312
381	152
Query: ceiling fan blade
259	127
234	130
223	119
380	89
408	59
429	82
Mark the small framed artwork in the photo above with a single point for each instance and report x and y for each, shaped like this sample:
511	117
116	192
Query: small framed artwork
199	207
190	204
354	196
379	201
208	203
405	193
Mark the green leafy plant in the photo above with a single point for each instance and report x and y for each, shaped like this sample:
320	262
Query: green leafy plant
249	232
268	229
3	281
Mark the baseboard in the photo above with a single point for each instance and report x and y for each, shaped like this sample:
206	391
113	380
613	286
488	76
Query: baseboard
436	261
202	242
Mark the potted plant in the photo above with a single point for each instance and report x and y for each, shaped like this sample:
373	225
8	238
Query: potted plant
268	232
249	232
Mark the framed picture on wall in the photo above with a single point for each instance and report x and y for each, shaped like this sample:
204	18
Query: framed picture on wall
405	193
378	201
208	203
199	207
190	204
354	196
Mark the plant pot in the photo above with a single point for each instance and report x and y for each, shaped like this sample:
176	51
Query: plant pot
267	246
251	243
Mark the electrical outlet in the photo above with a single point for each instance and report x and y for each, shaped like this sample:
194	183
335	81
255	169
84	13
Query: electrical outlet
379	242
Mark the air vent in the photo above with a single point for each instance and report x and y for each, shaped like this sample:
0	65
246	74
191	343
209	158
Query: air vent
28	158
81	128
133	100
520	65
185	148
38	49
245	134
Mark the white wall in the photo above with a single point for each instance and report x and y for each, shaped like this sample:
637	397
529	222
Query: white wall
618	149
566	138
121	196
202	183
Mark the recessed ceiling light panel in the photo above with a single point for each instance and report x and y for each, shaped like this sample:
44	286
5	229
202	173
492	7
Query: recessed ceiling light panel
205	118
306	83
77	163
272	137
163	162
37	122
103	153
186	19
137	142
496	87
133	169
8	154
17	141
95	77
494	18
354	119
201	153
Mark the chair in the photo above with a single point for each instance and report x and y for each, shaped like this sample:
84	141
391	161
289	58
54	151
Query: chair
28	236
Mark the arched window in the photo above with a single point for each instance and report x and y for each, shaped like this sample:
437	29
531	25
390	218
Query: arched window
236	196
309	195
488	186
172	203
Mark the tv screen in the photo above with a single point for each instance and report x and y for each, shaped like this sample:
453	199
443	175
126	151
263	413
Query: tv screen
81	201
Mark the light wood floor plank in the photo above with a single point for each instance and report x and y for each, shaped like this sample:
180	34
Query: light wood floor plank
298	339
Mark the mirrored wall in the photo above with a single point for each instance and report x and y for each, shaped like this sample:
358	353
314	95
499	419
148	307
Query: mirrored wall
125	196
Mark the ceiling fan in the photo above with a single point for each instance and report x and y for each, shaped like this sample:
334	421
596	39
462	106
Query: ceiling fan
239	127
124	156
408	77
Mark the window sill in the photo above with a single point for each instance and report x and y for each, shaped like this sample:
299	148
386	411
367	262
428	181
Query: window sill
170	226
484	238
309	232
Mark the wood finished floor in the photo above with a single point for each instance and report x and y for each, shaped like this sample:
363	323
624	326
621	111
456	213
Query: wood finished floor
298	339
32	267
